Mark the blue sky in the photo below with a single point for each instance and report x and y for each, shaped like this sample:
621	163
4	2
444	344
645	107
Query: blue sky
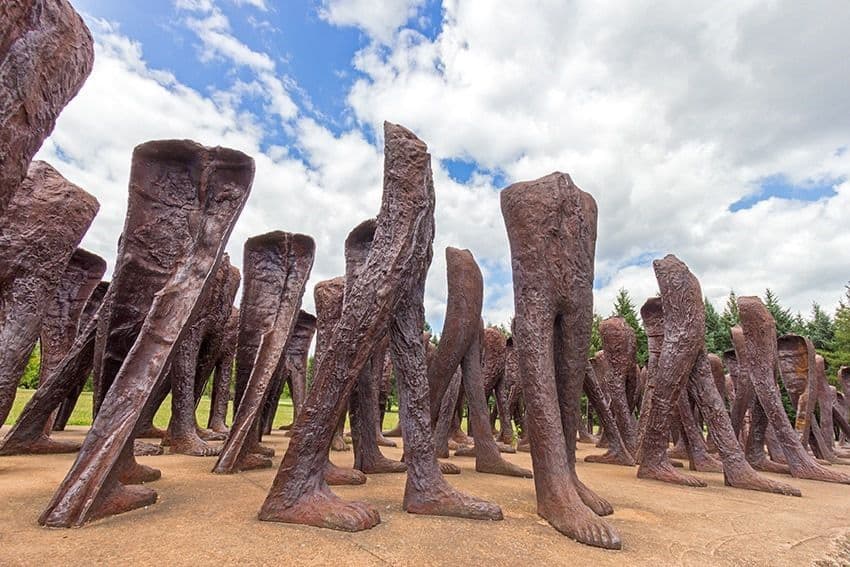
692	128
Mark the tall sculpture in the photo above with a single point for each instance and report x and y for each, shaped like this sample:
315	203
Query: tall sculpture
364	398
184	201
63	414
276	267
388	295
598	398
620	346
46	53
39	232
294	370
223	372
682	367
551	226
460	345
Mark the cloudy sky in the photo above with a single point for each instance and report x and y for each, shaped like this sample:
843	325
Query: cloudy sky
717	131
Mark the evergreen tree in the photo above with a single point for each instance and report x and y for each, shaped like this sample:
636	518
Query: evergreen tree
840	353
800	326
714	329
820	329
784	319
729	318
595	337
625	308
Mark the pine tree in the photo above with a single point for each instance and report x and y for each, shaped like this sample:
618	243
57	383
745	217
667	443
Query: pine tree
625	308
714	329
595	337
729	318
820	329
840	354
784	319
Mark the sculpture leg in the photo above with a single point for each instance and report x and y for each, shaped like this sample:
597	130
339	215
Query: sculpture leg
617	454
698	456
183	428
220	395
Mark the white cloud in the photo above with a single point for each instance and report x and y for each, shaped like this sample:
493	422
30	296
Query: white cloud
379	20
667	115
259	4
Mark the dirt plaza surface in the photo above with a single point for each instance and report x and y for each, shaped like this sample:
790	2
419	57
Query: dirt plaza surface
202	518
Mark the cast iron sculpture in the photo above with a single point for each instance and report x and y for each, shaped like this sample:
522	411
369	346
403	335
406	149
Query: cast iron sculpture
620	347
39	232
365	421
184	201
388	295
46	54
223	372
294	372
597	397
551	226
460	346
682	367
276	268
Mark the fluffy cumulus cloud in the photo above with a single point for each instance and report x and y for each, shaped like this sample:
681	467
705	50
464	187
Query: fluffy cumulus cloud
668	114
379	20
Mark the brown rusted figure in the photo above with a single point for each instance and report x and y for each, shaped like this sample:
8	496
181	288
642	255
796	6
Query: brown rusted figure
364	398
61	386
192	352
388	295
620	346
222	374
63	414
184	201
551	226
276	267
295	366
42	227
383	400
495	352
597	396
46	53
758	362
682	358
460	345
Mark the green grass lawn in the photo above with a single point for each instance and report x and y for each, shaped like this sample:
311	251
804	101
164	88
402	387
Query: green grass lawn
82	413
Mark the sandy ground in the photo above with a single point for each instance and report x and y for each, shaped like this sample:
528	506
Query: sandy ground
203	518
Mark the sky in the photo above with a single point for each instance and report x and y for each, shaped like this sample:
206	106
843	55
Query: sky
716	131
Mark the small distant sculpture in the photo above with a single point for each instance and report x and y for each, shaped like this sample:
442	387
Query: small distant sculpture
222	374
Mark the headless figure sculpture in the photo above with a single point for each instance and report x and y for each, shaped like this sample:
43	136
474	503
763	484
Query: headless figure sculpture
222	374
551	226
276	267
295	362
195	195
41	228
598	398
388	295
460	345
620	346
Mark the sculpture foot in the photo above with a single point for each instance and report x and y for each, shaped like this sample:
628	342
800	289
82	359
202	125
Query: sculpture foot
443	500
323	509
599	505
194	446
43	445
706	463
153	433
751	480
261	449
569	515
502	467
383	465
523	446
821	473
336	476
678	452
586	438
465	451
144	449
220	428
338	444
120	499
611	458
139	474
252	462
452	445
384	442
211	435
506	438
766	465
666	473
462	438
505	448
394	432
448	468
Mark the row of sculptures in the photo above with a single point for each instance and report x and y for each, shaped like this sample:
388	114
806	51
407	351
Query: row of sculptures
166	323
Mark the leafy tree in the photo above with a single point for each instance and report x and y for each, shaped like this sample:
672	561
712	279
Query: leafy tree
625	308
782	316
